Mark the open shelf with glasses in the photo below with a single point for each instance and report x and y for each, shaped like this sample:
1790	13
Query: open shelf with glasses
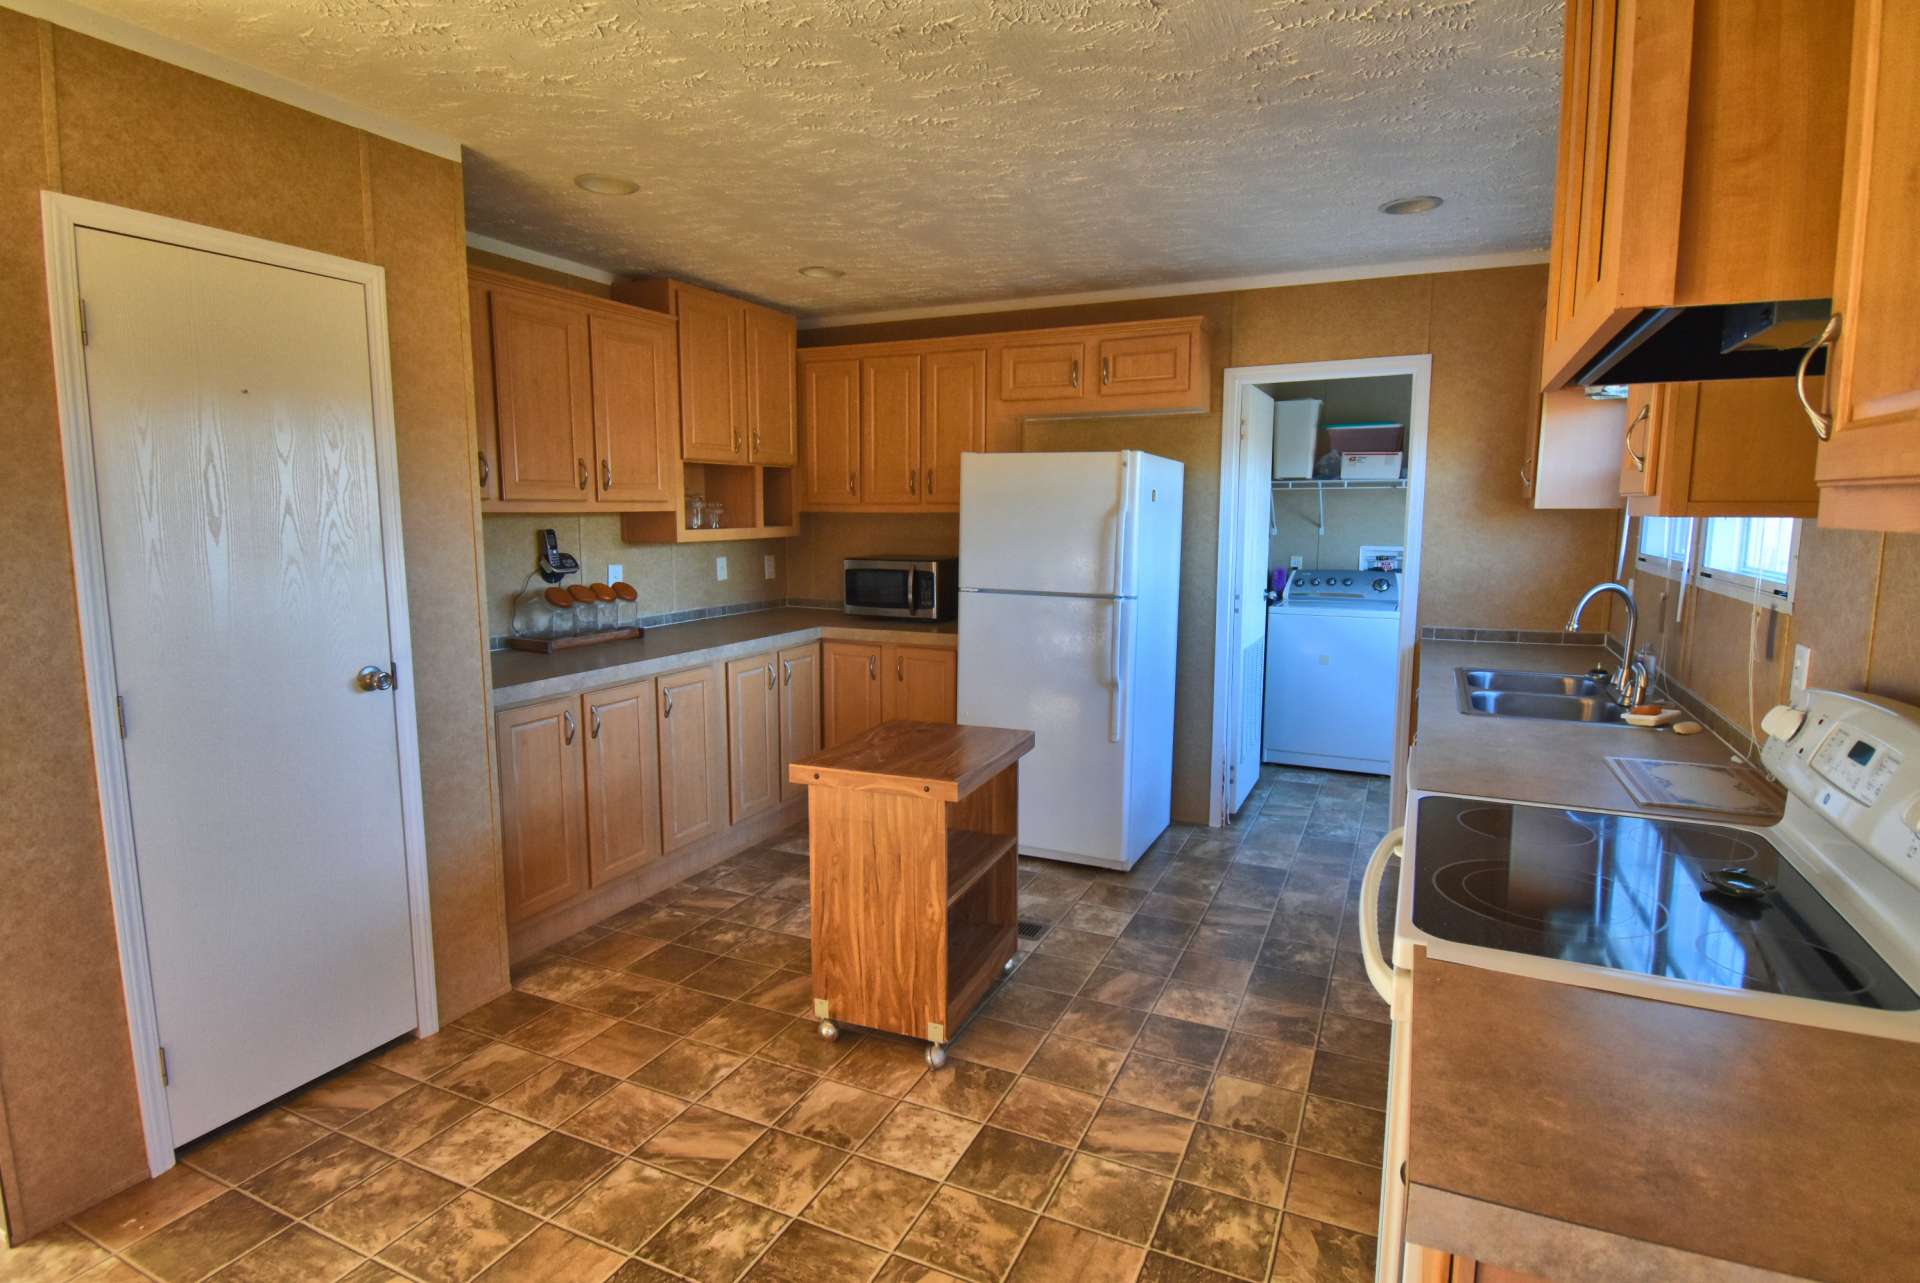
754	501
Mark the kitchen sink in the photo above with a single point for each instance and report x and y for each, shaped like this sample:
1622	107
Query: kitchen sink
1554	697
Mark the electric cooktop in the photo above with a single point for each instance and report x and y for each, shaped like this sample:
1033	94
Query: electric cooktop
1696	902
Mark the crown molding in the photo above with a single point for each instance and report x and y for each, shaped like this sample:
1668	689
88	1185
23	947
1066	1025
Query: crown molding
117	31
540	258
1272	280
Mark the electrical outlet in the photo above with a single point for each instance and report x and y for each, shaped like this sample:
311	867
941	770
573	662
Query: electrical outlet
719	567
1802	668
769	564
1293	562
615	572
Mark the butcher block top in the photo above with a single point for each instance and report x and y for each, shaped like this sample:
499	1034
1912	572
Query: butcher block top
926	759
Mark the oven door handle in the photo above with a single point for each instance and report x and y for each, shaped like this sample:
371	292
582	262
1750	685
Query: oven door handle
1379	969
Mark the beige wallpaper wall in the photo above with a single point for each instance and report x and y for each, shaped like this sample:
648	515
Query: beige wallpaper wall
97	121
669	577
827	539
1856	601
1354	518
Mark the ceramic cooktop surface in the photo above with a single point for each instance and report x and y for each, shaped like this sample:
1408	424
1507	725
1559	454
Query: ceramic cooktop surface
1696	902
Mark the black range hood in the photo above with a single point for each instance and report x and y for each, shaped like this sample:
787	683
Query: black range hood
1699	344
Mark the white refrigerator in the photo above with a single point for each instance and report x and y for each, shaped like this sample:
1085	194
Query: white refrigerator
1069	609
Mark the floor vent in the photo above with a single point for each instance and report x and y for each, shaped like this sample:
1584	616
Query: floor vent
1032	930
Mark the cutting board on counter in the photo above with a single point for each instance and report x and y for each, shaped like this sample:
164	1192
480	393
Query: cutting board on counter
1696	786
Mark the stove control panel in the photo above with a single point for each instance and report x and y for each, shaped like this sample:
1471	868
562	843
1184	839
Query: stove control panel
1855	759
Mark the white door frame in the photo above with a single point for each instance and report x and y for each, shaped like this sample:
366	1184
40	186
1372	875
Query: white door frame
1226	640
61	218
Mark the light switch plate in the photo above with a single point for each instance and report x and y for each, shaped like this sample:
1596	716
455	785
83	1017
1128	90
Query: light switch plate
769	562
615	572
1802	668
719	567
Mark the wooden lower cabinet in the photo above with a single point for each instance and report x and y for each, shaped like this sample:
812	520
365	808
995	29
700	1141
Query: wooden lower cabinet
850	692
753	735
623	779
1444	1267
864	684
693	756
799	711
543	806
924	685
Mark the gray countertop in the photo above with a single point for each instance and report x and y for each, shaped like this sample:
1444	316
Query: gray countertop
521	677
1526	760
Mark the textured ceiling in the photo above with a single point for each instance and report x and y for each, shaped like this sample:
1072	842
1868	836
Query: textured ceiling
949	152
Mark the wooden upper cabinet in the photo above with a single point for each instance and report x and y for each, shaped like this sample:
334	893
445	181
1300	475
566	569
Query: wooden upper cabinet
623	779
955	421
1132	364
1729	448
922	683
753	735
713	389
890	429
543	814
770	387
1639	453
486	423
693	756
1042	370
830	433
1669	190
851	698
1576	453
1869	471
799	711
636	398
543	396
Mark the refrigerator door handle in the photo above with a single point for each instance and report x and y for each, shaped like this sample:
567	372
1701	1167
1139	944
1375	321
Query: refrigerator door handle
1113	673
1122	520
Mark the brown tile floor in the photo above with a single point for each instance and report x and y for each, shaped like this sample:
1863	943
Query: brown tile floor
1182	1082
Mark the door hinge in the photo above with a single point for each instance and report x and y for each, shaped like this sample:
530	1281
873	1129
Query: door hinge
120	711
83	323
166	1079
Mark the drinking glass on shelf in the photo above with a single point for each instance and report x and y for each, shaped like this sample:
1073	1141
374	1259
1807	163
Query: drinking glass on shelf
714	513
694	506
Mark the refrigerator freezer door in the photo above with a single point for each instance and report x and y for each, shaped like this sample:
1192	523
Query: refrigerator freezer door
1045	664
1045	523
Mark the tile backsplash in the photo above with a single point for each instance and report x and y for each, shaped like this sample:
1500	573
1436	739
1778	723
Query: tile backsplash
671	578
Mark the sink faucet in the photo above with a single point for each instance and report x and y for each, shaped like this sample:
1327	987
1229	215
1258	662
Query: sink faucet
1630	683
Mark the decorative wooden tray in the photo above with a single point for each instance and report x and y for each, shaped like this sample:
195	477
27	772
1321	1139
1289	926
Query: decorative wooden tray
547	645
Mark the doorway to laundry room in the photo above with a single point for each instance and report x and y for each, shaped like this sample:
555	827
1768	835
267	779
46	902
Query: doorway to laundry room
1323	468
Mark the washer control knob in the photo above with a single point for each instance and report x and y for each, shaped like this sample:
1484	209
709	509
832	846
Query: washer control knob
1382	583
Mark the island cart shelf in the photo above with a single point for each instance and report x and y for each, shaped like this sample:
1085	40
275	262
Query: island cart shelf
912	831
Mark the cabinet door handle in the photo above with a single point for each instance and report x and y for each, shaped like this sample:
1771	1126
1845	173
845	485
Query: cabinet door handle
899	669
786	666
756	438
1073	372
929	480
1639	460
853	484
668	696
769	676
1106	369
1526	481
1822	421
606	474
873	668
582	465
593	723
913	483
486	470
736	441
571	725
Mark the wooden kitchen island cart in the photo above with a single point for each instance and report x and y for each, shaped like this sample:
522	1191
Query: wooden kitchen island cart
912	830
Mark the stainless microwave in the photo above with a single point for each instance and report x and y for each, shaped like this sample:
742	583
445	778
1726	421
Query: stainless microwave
902	587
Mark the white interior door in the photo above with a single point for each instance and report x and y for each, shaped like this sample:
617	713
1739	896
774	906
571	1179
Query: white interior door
1250	584
231	414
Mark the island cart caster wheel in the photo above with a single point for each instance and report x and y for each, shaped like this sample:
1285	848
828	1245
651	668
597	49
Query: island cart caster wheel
829	1031
936	1055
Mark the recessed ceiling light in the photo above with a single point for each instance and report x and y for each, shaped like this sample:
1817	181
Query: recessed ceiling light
822	273
1412	205
606	185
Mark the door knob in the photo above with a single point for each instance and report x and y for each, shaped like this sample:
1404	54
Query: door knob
375	679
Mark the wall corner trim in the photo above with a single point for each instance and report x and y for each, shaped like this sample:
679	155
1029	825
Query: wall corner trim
118	31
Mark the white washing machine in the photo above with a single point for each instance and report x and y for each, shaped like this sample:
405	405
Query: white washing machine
1333	671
